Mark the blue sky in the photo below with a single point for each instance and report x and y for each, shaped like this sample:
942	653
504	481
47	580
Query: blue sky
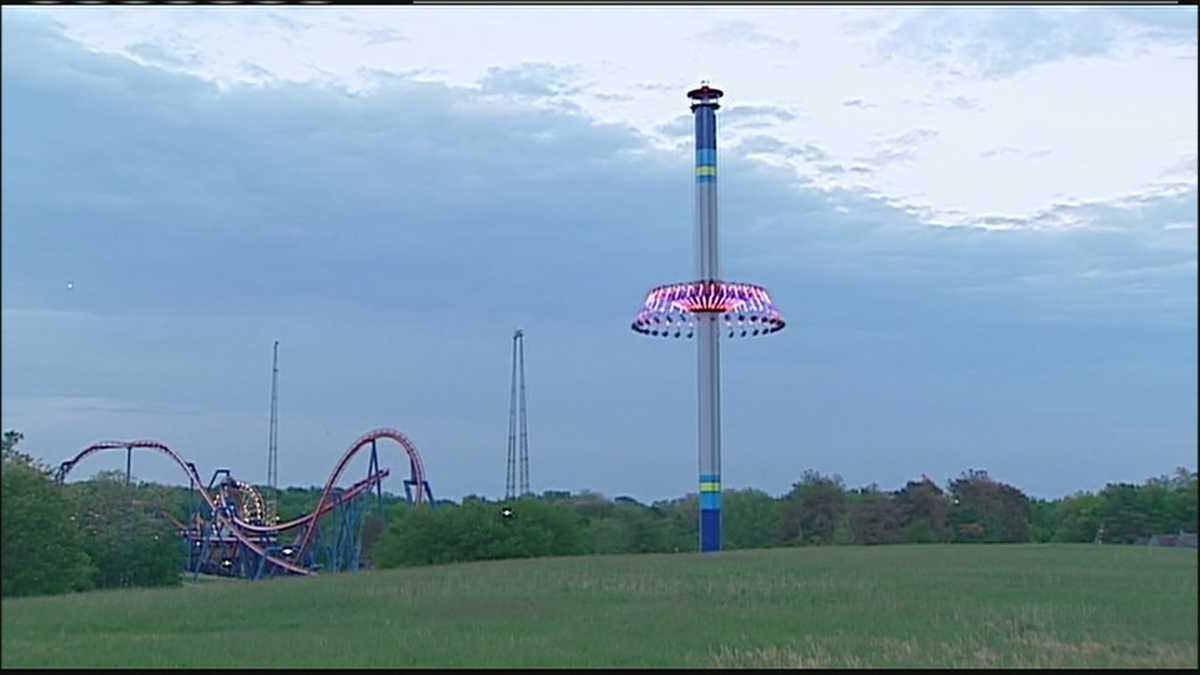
980	225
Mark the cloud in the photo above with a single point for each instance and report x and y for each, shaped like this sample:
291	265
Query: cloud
1004	150
964	102
613	96
393	240
772	145
384	36
858	103
747	115
156	54
536	80
1141	212
1184	170
655	86
681	125
1166	24
999	43
997	152
899	148
913	137
742	33
256	71
736	117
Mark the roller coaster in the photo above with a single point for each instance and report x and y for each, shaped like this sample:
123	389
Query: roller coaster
229	534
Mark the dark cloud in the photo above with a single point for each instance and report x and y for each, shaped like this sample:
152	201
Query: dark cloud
393	241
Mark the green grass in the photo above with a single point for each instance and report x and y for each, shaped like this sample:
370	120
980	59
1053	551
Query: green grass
962	605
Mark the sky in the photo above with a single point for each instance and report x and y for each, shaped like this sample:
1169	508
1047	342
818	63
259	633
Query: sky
979	223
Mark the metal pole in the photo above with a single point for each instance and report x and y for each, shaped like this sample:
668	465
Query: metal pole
128	463
709	346
374	469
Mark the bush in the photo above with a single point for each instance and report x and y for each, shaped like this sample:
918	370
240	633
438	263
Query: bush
919	532
41	548
127	542
478	531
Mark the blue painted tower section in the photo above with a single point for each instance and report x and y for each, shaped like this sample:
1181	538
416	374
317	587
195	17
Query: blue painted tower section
704	107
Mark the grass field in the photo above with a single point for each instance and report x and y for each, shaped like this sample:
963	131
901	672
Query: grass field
963	605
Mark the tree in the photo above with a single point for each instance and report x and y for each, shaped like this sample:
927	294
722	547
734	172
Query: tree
123	534
923	508
811	512
1043	519
1077	518
750	519
9	453
682	522
875	518
1124	514
477	531
40	551
988	511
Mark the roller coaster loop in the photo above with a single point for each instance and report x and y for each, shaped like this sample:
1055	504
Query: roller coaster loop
235	540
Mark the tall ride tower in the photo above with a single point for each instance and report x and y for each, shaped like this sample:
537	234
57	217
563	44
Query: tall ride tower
698	309
511	487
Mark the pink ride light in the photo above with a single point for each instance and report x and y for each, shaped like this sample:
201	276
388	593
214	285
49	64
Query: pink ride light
670	310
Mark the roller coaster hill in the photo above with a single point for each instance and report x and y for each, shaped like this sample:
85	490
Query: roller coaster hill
229	533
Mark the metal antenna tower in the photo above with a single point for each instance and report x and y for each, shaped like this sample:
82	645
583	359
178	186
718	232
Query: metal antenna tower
273	439
517	481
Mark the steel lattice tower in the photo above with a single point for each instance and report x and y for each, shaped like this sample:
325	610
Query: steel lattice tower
696	309
273	436
517	481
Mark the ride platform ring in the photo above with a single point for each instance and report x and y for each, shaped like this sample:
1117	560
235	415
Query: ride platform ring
671	310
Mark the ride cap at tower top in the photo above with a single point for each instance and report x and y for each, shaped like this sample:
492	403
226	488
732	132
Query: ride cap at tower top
705	95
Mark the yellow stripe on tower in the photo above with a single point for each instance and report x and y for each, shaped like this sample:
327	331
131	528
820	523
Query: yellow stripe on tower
710	487
706	171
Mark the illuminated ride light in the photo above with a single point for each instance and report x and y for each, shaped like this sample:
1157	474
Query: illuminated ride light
746	310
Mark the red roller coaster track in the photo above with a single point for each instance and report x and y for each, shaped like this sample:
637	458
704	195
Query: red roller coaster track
328	501
416	466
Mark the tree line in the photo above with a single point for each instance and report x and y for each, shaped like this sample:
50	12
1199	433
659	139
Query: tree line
102	533
818	511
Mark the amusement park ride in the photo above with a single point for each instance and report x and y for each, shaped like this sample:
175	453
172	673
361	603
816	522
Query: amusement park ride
229	531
